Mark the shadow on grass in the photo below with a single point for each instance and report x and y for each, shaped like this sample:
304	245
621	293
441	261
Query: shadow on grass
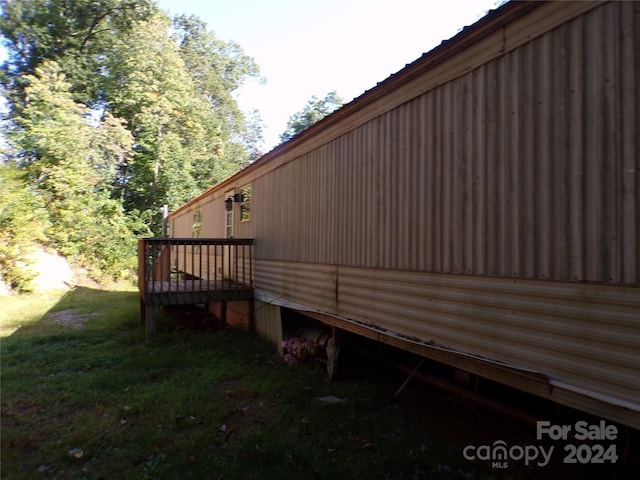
86	311
85	397
78	310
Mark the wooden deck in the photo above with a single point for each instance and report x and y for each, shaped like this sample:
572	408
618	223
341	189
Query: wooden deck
192	271
189	292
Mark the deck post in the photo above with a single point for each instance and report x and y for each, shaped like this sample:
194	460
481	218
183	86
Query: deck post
223	312
252	316
150	321
143	311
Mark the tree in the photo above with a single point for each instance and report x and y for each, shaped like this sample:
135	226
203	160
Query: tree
23	221
72	33
62	150
219	69
176	95
313	112
151	88
112	113
172	87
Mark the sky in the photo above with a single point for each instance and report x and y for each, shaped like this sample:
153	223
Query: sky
306	47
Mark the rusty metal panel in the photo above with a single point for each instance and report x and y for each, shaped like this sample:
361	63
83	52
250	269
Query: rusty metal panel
579	334
302	283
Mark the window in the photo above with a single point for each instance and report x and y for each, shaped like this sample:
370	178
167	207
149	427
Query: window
245	205
197	223
228	214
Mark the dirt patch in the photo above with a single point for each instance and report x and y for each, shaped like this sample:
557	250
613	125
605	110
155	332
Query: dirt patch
53	272
70	318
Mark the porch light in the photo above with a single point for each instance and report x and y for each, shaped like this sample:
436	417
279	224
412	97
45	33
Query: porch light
228	204
238	198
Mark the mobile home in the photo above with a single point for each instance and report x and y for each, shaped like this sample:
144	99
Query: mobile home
479	207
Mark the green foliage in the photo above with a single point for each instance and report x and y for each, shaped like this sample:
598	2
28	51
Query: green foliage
23	221
154	91
63	152
113	113
176	96
72	33
218	69
315	110
52	135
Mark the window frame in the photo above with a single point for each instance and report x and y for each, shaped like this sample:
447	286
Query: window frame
245	204
196	225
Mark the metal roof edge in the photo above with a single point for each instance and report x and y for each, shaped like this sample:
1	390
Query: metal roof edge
492	21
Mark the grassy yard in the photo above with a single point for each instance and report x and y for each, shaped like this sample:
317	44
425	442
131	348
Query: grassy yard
84	397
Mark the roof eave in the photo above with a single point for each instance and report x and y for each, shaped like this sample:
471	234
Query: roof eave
487	25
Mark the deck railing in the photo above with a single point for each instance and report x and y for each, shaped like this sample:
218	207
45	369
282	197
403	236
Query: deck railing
174	271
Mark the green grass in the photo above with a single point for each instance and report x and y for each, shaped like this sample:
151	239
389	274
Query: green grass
16	310
101	403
